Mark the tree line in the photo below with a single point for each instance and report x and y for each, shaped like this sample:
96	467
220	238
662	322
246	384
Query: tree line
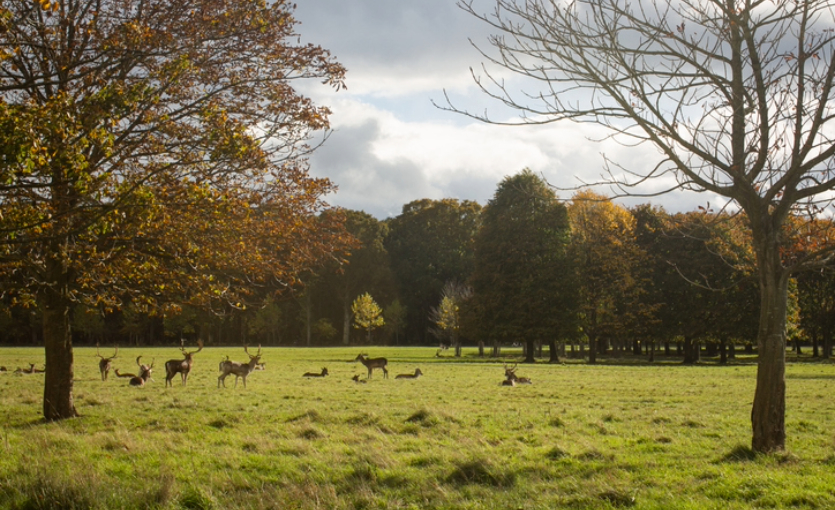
583	276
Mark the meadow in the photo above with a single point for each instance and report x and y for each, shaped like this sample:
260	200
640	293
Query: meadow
656	436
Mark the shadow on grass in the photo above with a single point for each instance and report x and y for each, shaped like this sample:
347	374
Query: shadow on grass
480	472
740	453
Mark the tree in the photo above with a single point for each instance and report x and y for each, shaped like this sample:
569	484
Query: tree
523	284
367	314
365	269
430	244
152	155
605	255
447	315
395	314
735	96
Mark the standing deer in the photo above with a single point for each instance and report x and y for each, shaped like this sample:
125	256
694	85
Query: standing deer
315	374
372	363
239	369
510	374
183	366
105	363
417	374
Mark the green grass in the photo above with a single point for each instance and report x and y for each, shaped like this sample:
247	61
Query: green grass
599	437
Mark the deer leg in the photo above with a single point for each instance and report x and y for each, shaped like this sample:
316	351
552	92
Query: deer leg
385	373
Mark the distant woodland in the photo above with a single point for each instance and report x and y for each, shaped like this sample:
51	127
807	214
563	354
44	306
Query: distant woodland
583	276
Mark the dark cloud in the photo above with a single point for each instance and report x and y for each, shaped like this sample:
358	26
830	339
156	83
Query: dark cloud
366	182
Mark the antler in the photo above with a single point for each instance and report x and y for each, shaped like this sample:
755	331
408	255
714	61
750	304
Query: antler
137	361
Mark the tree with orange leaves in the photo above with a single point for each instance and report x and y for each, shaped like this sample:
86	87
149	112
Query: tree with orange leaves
153	152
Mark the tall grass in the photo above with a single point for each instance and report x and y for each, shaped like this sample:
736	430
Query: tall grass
645	437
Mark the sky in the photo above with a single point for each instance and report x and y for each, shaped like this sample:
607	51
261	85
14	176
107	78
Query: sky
390	145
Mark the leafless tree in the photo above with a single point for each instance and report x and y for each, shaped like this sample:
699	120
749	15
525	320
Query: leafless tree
736	96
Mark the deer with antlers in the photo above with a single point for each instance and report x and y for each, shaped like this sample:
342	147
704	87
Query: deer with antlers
30	370
105	363
181	366
238	369
417	374
510	375
144	374
372	363
315	374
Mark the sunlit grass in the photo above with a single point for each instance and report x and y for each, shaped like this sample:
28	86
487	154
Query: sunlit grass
653	437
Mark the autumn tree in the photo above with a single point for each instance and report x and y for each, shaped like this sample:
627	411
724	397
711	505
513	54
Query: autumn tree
367	314
523	283
735	96
430	244
364	269
604	254
447	315
152	154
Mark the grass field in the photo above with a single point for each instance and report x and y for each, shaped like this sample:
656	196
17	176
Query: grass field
646	437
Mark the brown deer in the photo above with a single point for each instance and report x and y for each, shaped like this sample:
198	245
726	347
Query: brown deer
144	374
417	374
181	366
105	363
239	369
314	374
372	363
30	370
510	374
357	379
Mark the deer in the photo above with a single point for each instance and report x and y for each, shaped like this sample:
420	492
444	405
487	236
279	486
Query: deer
181	366
417	374
144	374
30	370
372	363
314	374
510	374
105	363
239	369
357	379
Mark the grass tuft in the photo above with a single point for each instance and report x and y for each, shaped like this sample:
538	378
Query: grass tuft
423	417
617	498
311	433
557	453
480	472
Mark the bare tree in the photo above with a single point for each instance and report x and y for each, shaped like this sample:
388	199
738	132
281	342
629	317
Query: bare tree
736	95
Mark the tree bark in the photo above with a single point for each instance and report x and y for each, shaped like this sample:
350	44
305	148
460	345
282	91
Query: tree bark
529	351
553	354
768	415
58	379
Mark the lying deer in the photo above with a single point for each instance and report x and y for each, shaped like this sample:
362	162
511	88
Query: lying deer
239	369
372	363
314	374
183	366
510	374
417	374
357	379
105	363
144	374
30	370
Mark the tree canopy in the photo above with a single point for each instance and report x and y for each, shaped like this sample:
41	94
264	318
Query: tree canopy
153	154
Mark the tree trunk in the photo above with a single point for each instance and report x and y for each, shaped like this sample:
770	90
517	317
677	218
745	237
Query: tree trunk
346	323
58	379
815	351
592	350
530	350
689	358
636	347
723	351
768	415
553	354
651	349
